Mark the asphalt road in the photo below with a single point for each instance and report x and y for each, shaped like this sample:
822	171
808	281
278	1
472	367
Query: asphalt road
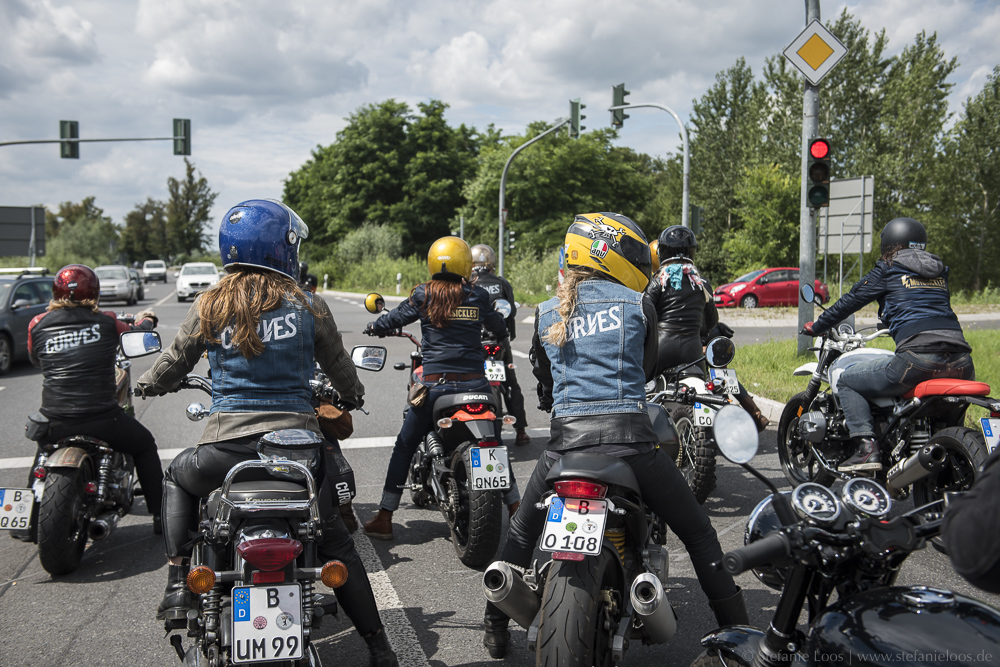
103	614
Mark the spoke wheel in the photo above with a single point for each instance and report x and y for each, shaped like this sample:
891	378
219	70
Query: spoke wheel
696	455
798	462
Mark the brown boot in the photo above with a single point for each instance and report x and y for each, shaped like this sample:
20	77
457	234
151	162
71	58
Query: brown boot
381	526
512	508
522	437
347	514
758	417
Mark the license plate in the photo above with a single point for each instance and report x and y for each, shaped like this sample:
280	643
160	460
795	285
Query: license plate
703	415
495	371
15	508
991	431
490	468
575	525
716	298
267	623
729	377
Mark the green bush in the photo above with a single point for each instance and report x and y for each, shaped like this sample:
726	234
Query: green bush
533	276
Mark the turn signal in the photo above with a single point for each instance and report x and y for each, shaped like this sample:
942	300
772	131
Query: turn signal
580	488
509	419
201	579
334	574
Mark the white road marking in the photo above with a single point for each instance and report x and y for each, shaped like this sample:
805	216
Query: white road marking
518	353
164	299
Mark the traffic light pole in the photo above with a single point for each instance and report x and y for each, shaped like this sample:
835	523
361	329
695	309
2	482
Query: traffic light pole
84	141
503	184
687	155
807	224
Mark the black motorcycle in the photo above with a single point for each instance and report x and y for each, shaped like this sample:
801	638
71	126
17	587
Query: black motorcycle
838	557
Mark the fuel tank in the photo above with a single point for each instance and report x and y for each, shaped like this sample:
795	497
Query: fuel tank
848	359
905	625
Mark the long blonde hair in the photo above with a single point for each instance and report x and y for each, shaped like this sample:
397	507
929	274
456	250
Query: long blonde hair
566	293
59	304
238	301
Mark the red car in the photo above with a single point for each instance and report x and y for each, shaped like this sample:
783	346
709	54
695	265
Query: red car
765	287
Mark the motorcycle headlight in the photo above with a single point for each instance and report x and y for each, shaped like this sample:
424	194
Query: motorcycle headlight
298	445
764	520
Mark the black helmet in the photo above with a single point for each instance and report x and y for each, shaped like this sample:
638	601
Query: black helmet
676	241
903	233
303	272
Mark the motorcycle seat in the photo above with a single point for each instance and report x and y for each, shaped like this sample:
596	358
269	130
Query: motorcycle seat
948	387
272	489
597	467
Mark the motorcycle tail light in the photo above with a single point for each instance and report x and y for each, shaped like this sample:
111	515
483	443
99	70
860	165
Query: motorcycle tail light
475	408
270	553
91	488
567	555
40	472
710	386
488	443
201	579
269	577
492	349
580	488
334	574
992	414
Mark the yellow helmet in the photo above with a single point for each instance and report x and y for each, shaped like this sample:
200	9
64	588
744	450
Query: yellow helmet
654	250
612	244
449	258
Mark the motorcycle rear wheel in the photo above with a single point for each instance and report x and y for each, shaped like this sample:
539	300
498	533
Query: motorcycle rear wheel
796	456
62	522
572	632
478	517
966	454
696	456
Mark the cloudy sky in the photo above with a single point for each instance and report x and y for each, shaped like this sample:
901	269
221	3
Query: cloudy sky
264	82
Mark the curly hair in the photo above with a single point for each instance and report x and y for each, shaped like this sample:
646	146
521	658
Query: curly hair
59	304
556	334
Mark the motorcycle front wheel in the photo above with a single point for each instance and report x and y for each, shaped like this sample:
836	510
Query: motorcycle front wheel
696	456
577	624
475	531
62	521
796	456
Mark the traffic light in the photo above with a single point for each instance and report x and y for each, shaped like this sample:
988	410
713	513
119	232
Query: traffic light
182	136
575	117
69	129
510	239
618	94
818	192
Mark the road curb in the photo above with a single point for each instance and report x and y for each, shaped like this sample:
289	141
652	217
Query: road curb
770	409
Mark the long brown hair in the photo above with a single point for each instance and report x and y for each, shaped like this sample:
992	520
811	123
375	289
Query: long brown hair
59	304
441	298
238	301
556	334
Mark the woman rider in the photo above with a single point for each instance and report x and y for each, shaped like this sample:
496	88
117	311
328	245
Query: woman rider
452	312
591	377
261	333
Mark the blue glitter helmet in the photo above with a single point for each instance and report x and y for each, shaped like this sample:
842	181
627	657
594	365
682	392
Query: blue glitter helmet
262	233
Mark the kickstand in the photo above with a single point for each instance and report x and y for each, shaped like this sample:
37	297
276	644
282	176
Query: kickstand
175	641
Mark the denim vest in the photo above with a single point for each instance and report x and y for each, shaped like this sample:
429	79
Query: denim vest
275	381
599	369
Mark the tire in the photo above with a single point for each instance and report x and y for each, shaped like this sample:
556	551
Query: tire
417	495
476	530
572	632
6	354
796	457
966	455
696	456
62	524
749	301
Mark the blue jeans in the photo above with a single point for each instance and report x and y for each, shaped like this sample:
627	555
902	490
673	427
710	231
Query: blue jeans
893	376
417	424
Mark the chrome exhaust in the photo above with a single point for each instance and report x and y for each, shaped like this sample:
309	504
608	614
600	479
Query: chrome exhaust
650	603
929	460
505	588
103	526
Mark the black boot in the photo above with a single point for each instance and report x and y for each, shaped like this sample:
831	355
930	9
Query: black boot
730	611
381	652
497	636
867	457
177	599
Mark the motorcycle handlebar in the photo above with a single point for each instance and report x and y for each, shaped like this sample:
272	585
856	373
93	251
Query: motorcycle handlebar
772	547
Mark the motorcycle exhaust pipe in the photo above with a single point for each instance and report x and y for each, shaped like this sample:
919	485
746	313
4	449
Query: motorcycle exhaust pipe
103	526
650	602
505	588
929	460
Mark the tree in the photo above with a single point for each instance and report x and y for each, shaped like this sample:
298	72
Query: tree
145	233
82	235
769	204
187	212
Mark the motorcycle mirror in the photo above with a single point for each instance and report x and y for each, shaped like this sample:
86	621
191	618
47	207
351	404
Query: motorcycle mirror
502	306
808	293
374	303
720	352
196	412
736	434
369	357
139	343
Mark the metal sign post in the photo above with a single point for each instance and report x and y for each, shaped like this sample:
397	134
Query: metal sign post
22	232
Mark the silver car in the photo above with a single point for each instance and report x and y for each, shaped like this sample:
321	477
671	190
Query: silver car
117	284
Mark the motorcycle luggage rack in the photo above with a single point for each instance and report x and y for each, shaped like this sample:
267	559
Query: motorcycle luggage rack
227	506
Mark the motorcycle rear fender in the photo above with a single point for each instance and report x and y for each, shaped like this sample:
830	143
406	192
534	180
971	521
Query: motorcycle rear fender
481	429
806	369
67	457
738	643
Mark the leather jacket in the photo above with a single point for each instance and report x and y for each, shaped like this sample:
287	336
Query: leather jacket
498	288
684	314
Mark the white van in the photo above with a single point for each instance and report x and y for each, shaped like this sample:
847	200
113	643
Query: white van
154	269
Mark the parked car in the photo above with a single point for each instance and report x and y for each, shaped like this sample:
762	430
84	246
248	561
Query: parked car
117	284
765	287
195	277
140	288
24	293
154	269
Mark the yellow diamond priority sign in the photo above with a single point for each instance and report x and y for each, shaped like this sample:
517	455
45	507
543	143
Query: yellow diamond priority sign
815	52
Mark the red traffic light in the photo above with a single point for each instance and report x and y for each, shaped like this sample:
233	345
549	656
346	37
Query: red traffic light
819	149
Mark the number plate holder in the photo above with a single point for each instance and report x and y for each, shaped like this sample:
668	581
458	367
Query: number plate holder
495	371
574	525
490	468
991	432
15	508
704	415
267	623
728	376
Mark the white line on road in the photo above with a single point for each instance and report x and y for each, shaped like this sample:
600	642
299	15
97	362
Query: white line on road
164	299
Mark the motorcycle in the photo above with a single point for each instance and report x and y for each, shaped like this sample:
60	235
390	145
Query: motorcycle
82	487
461	466
605	583
496	369
839	557
255	564
925	448
693	403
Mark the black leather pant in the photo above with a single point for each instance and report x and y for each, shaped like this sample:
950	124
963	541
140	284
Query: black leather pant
676	349
198	471
514	397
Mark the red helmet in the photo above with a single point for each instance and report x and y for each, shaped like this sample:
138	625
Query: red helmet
76	282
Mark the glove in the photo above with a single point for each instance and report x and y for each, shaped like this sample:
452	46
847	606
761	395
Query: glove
144	391
349	403
147	314
722	329
807	330
369	329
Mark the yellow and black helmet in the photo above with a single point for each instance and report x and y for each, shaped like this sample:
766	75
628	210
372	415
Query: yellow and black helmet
654	250
449	259
612	244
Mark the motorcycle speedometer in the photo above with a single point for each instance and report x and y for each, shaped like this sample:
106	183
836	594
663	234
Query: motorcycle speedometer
866	497
815	502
